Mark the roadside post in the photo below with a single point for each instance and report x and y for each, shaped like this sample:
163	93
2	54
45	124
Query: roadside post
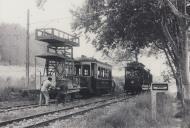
157	88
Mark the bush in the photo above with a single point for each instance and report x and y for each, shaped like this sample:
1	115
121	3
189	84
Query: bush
9	93
11	88
186	122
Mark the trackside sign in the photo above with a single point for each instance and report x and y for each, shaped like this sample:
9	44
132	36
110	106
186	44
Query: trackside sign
160	86
157	88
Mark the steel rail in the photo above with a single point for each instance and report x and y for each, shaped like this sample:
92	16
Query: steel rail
9	107
4	123
20	108
47	122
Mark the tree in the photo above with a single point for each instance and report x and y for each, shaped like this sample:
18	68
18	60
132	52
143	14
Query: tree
136	24
12	45
40	3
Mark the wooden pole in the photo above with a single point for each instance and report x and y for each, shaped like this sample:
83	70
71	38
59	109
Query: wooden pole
27	49
35	74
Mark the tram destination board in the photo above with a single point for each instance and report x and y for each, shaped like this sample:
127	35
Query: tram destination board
160	86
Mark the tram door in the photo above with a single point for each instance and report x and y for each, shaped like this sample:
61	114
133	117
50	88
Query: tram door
93	70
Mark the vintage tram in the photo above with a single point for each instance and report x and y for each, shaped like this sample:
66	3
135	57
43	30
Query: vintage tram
137	78
59	62
95	77
71	77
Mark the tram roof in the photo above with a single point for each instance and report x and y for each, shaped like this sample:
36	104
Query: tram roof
135	65
53	56
90	59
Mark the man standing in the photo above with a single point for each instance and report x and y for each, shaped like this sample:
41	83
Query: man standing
44	91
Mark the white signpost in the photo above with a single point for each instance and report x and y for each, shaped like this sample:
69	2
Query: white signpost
157	88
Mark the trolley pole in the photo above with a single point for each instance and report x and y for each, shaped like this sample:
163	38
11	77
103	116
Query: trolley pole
27	49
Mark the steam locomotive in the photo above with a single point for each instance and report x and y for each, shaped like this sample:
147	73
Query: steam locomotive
137	78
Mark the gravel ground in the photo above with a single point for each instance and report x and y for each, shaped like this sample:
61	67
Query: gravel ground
47	117
32	111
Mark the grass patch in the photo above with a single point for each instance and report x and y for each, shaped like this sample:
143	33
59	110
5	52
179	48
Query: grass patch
8	93
11	88
186	121
135	115
16	94
119	85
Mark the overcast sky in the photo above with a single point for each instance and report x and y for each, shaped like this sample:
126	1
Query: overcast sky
55	13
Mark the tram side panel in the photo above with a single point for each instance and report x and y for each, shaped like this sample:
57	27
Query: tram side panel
94	79
103	86
86	85
91	85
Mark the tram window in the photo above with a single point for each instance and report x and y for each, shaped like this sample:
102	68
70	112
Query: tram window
80	71
75	71
109	74
103	72
86	70
106	73
98	71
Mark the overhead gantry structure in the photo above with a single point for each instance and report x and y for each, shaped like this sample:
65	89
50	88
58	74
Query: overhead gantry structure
59	55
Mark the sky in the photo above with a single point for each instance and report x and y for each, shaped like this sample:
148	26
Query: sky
56	14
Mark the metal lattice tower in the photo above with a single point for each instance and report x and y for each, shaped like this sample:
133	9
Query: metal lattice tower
59	56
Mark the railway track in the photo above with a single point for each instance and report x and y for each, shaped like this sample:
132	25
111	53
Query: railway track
19	107
8	109
51	116
25	106
82	111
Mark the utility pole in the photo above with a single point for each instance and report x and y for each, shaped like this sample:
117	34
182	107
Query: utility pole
27	49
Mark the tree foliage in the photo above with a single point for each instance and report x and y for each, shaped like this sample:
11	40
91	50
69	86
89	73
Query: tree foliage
136	24
131	24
